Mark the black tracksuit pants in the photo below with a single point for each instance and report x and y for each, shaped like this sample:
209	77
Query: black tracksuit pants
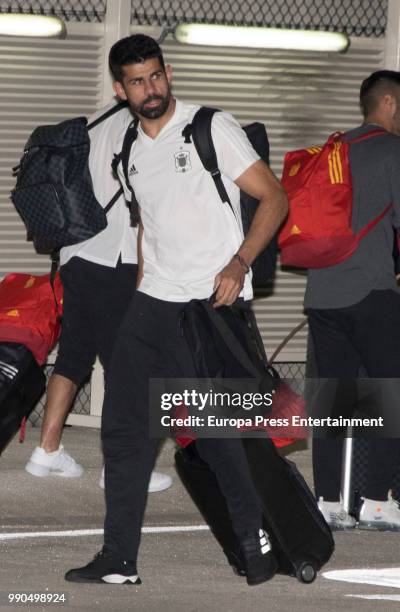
363	336
150	345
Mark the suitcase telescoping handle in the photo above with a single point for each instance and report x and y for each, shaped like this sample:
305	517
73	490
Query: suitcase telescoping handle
347	461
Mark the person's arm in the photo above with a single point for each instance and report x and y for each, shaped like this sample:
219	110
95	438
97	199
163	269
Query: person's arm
139	254
259	182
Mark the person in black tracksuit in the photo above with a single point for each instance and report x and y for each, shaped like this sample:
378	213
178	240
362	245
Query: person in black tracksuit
189	246
354	313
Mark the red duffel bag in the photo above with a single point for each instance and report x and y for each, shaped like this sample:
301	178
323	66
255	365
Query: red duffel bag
29	314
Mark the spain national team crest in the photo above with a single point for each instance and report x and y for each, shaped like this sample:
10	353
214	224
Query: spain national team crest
182	161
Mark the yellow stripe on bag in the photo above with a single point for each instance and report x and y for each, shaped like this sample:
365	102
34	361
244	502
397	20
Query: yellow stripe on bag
339	161
331	169
335	164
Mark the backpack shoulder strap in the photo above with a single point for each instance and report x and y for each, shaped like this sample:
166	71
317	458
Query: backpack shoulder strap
203	142
114	199
377	132
129	138
202	139
111	111
123	157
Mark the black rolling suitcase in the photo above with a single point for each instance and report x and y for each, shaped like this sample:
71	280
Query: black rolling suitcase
301	539
22	382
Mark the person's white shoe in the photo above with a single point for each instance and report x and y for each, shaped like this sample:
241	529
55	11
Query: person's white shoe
57	463
335	515
380	515
158	482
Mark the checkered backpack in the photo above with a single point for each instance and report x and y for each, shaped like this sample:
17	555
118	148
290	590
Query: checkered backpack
54	191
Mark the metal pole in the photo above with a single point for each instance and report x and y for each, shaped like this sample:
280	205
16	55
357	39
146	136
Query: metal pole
392	36
347	462
116	25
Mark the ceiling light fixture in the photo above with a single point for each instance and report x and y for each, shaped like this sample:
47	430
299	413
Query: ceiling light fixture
23	24
260	37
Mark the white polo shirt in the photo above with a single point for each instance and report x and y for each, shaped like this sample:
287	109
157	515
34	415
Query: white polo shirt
189	234
118	238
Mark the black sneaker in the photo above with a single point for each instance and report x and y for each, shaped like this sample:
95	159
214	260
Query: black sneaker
260	562
236	561
105	567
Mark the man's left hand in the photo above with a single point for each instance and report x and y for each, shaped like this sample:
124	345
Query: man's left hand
229	283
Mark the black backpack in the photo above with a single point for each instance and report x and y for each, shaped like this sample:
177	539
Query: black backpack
54	190
264	265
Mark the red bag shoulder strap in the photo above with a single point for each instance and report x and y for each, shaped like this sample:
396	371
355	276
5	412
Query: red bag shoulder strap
377	132
340	136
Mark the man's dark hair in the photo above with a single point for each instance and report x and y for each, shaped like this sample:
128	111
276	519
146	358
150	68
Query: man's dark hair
134	49
377	84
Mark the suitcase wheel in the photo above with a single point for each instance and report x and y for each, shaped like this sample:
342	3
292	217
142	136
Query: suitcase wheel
306	573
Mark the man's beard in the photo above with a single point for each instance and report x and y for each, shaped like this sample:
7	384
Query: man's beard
157	111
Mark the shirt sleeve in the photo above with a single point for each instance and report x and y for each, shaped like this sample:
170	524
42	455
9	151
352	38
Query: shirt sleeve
235	153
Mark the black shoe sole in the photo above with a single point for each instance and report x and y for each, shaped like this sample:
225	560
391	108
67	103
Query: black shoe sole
238	571
264	577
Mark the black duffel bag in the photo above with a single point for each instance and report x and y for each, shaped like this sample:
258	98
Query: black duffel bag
227	349
22	382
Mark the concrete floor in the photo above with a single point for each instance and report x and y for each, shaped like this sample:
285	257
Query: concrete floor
180	571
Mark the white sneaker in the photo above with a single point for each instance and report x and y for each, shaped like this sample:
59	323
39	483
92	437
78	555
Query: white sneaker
380	515
158	482
335	515
57	463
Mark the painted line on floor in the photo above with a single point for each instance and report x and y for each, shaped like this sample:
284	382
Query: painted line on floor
388	576
74	533
385	597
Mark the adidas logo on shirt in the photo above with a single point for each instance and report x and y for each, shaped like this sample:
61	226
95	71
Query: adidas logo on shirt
132	170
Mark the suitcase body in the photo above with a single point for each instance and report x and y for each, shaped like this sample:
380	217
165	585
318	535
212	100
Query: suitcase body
22	382
301	539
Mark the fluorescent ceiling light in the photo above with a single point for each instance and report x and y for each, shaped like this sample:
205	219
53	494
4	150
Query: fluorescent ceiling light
22	24
266	38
